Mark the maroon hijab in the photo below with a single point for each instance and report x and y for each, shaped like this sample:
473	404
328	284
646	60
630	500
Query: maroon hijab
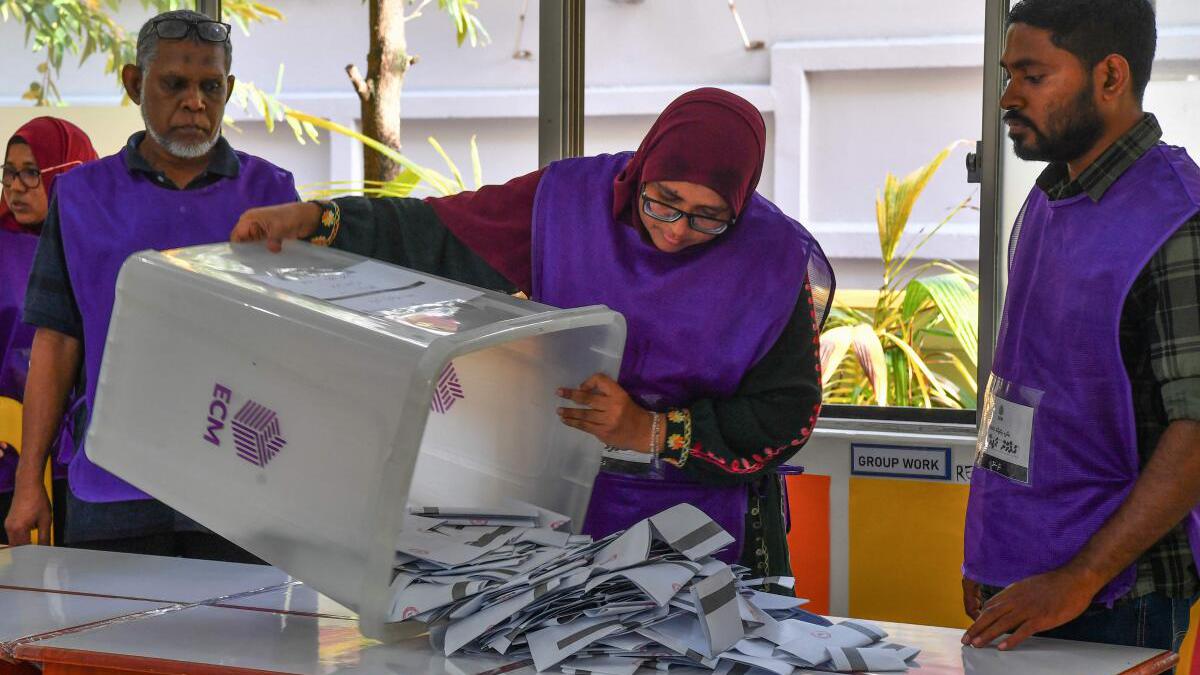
54	143
708	136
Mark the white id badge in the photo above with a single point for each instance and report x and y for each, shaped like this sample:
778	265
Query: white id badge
1006	430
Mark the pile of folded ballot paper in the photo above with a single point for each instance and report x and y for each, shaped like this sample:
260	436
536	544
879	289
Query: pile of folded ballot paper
512	581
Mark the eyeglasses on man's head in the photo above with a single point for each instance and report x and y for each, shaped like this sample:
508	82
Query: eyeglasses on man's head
178	29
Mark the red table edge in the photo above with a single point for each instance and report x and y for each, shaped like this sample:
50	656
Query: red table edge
1154	665
50	657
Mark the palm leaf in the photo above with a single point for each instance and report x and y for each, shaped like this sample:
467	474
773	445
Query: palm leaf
439	182
931	383
900	378
869	351
835	343
912	251
449	162
953	360
895	204
476	165
956	303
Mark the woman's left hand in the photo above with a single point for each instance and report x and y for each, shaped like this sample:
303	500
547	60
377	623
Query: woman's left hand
611	415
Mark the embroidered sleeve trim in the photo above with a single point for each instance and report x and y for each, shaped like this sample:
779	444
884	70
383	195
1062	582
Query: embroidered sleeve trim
331	223
679	437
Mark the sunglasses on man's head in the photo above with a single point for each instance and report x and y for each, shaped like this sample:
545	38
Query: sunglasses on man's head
178	29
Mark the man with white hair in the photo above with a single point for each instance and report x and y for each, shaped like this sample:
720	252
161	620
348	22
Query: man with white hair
178	183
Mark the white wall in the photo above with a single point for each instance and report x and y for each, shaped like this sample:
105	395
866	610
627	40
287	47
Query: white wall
851	89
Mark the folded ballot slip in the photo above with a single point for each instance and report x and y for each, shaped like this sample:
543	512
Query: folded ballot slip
651	596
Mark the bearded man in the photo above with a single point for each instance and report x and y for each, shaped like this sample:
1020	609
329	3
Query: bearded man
1082	522
178	183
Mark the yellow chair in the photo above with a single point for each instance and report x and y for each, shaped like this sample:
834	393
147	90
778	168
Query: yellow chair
10	433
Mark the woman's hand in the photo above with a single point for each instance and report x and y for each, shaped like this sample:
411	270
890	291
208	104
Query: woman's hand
611	415
297	220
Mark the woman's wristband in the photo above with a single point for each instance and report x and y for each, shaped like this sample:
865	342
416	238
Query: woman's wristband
329	224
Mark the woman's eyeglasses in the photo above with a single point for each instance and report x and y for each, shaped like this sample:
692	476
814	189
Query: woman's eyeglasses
669	214
178	29
30	178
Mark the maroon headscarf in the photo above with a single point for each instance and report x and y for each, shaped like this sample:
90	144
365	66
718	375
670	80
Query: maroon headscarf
708	136
54	143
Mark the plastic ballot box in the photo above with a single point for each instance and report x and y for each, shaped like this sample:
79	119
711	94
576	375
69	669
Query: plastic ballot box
297	403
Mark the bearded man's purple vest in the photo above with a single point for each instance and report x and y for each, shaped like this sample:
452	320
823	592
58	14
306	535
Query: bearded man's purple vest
16	337
1058	448
697	320
108	213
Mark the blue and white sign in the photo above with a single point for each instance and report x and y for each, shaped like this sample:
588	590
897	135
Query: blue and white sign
900	461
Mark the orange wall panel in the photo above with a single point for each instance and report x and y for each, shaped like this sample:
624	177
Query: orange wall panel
808	540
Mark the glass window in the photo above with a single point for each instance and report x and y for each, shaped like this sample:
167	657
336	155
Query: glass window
851	93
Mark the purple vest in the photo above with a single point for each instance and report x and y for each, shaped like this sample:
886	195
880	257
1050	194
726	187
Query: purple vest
107	214
1033	506
16	337
697	320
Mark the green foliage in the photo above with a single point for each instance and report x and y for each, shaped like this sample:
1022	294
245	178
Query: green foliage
924	323
249	97
84	28
413	176
466	24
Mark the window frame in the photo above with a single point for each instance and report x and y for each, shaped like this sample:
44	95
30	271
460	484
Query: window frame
561	95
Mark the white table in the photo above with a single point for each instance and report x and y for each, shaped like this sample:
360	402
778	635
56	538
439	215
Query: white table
139	577
72	628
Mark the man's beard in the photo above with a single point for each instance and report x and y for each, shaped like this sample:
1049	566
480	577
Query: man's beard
1078	132
180	150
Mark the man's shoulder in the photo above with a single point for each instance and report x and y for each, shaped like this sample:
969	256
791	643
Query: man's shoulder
259	167
1182	166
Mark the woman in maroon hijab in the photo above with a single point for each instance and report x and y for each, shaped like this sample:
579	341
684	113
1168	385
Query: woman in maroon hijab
723	296
39	152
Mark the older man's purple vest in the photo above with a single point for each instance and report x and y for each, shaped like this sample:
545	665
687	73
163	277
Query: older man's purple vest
16	337
108	213
1059	352
697	320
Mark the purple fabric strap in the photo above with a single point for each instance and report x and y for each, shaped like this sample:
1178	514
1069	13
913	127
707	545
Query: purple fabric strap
16	337
697	320
107	214
1059	352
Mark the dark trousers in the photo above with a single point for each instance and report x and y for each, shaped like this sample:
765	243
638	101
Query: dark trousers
199	545
148	527
1155	621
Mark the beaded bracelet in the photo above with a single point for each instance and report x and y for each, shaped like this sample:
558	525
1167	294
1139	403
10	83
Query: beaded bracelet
655	421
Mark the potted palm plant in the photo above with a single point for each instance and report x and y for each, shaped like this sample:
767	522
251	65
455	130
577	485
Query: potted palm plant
918	345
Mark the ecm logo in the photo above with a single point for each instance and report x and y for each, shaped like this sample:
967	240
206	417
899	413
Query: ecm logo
256	433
